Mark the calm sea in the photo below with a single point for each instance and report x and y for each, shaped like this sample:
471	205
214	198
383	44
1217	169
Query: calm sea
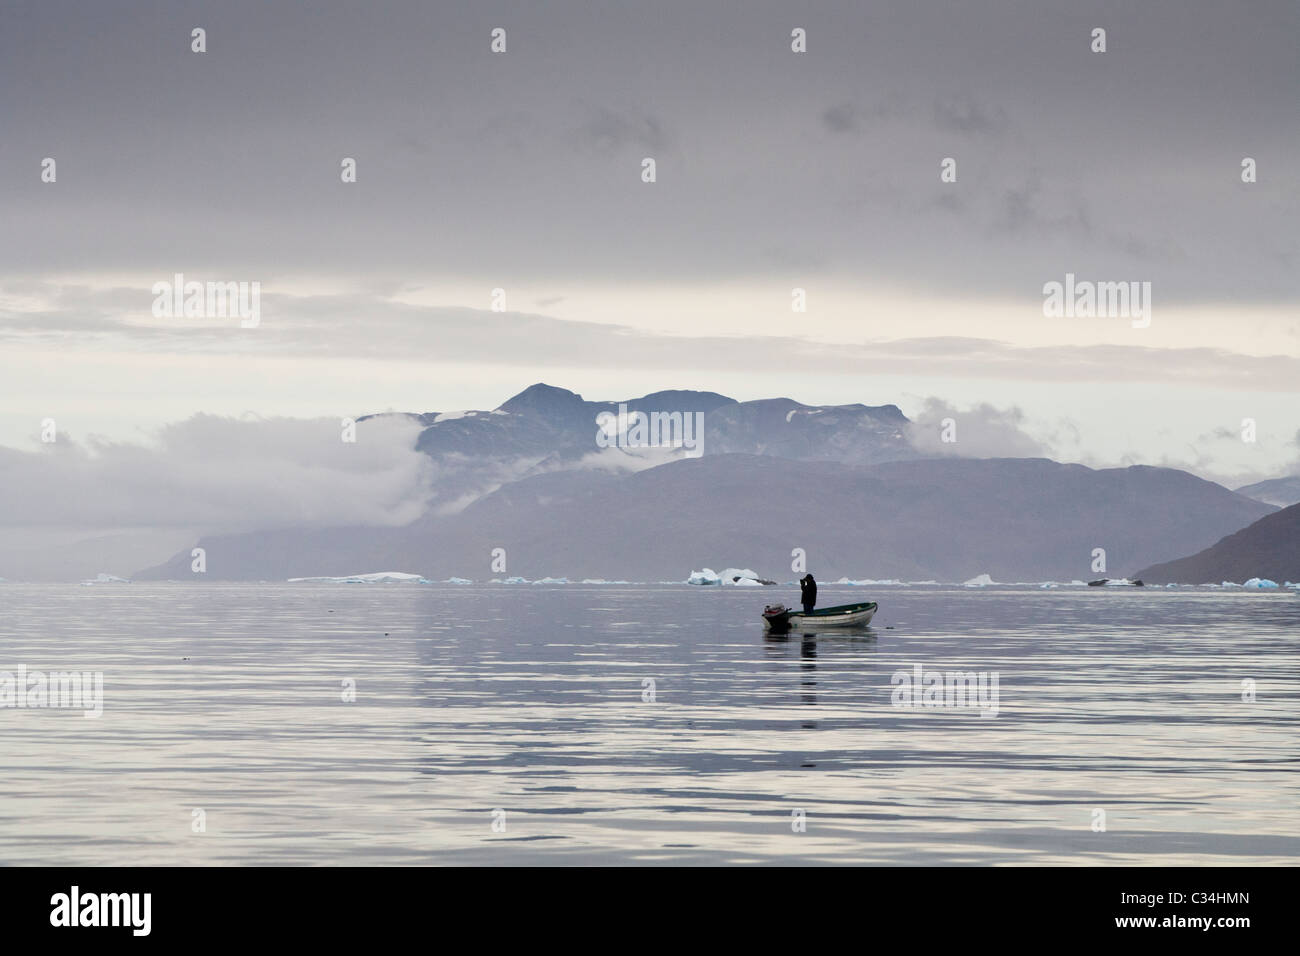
643	724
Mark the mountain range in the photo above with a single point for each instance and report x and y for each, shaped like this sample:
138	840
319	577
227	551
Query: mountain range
1269	548
841	483
1282	492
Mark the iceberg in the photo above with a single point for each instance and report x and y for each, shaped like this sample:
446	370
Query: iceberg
454	580
868	582
376	577
515	580
102	578
551	581
741	576
1260	584
706	577
979	581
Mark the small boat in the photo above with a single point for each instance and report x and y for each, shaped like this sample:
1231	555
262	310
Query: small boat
778	617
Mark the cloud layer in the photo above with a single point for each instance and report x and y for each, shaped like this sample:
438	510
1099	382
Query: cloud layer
219	475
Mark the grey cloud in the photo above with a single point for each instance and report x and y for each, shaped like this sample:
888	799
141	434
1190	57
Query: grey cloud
364	326
840	119
229	160
607	131
982	431
961	113
1025	209
856	116
220	474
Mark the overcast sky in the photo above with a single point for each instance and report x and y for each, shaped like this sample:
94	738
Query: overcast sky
775	170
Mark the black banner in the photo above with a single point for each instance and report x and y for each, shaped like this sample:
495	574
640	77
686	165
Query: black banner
1223	907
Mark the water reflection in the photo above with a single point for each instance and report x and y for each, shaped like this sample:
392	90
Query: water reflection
535	700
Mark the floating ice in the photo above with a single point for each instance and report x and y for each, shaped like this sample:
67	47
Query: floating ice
102	578
458	581
1260	583
706	577
979	581
551	581
376	577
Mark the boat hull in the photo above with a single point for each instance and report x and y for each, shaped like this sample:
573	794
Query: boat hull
846	615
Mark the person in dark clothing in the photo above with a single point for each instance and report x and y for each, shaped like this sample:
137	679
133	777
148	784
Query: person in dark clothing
808	593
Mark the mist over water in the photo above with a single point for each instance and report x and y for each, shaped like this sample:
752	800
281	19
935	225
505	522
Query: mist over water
529	699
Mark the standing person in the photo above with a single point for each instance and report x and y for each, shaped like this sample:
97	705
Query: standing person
808	593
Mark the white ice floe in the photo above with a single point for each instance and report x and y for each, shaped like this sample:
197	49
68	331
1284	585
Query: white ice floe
458	581
102	578
1260	583
980	581
551	581
739	576
1118	583
706	577
376	577
869	582
511	580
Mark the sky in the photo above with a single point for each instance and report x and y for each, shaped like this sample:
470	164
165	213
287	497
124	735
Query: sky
774	170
